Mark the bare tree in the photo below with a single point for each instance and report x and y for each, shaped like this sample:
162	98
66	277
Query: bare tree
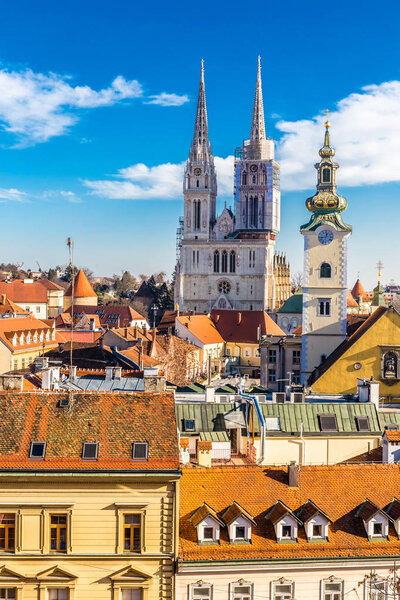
296	281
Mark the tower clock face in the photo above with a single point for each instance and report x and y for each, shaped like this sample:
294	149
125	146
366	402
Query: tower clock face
253	168
197	171
325	236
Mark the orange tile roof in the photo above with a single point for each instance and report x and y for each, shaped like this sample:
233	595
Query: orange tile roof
358	290
242	326
338	491
350	300
202	327
25	325
18	291
114	420
9	307
82	287
392	436
66	335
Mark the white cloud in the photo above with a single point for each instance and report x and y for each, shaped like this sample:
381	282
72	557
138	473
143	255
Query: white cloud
365	131
165	99
140	182
12	194
57	195
35	107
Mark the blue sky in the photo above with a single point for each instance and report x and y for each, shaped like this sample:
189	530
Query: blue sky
97	103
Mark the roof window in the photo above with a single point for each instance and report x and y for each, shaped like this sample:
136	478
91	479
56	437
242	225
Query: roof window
328	422
140	450
189	425
90	450
363	424
37	450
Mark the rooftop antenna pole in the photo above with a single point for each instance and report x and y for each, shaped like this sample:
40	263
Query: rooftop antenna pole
70	245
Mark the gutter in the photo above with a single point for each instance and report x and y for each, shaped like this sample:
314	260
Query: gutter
261	420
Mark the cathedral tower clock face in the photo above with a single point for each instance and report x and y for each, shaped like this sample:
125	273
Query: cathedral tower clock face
325	236
197	171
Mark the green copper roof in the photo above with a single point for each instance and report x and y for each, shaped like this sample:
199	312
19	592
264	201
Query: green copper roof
214	436
378	299
294	304
333	219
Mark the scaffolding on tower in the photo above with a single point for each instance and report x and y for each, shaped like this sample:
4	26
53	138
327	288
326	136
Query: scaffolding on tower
179	235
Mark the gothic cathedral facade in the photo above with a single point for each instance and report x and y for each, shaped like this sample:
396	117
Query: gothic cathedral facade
227	261
325	266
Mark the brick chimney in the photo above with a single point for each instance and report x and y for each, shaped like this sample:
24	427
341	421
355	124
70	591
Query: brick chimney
293	474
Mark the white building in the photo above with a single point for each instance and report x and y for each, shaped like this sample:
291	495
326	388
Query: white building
226	261
325	266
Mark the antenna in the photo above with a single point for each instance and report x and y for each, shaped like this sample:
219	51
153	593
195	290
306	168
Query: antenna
70	245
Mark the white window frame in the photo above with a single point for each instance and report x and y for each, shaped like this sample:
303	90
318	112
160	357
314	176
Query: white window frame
282	581
203	585
331	580
367	589
324	302
237	595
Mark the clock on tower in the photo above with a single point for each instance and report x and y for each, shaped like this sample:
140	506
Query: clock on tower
325	266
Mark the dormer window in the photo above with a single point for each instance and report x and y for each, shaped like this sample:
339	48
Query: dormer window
240	533
14	340
53	335
21	339
35	338
28	338
317	531
315	522
377	529
207	524
47	336
41	338
285	522
286	532
239	523
376	521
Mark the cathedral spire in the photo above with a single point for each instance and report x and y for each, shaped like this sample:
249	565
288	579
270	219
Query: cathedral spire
200	150
258	122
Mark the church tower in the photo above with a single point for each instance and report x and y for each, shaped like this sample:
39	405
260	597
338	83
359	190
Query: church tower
257	194
200	181
325	266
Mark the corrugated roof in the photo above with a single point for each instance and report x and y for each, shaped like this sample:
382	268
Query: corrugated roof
214	436
208	417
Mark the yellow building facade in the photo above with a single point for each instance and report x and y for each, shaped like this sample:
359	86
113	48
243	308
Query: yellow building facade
372	351
88	497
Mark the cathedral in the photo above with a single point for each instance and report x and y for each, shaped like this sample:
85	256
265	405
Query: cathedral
227	261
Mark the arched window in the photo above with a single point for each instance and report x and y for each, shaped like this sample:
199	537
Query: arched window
254	179
197	183
216	261
326	175
232	261
188	181
326	270
224	262
206	181
197	214
253	216
244	179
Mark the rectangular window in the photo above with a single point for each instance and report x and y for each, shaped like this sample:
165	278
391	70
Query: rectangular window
58	594
324	307
7	533
241	592
332	590
132	533
283	591
140	451
271	376
8	593
272	356
189	425
296	357
208	533
38	309
377	528
22	363
363	424
240	533
90	450
134	594
328	422
201	593
287	531
296	377
317	531
376	590
15	365
37	450
326	175
58	533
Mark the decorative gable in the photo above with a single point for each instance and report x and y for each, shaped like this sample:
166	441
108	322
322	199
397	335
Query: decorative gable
8	575
131	575
55	574
239	523
376	521
224	224
285	522
315	521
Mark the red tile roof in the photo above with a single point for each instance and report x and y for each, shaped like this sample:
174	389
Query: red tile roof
18	291
337	490
8	307
66	335
351	301
114	420
358	290
242	326
110	315
26	325
392	436
82	287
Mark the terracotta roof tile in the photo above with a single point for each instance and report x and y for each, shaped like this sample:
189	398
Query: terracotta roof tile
358	290
337	490
351	303
202	327
82	287
18	291
244	325
392	436
202	512
234	511
114	420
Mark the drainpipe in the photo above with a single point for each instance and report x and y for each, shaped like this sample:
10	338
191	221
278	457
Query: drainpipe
303	445
261	420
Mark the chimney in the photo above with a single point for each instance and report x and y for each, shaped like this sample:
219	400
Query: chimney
239	318
117	372
72	372
3	298
50	378
368	391
135	331
126	333
92	328
109	373
154	334
293	474
210	393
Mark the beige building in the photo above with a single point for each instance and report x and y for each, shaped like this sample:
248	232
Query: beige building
88	496
318	533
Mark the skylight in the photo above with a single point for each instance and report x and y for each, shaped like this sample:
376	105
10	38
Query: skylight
140	450
37	450
328	422
90	450
363	424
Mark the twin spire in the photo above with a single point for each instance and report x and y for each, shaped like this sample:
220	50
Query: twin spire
200	150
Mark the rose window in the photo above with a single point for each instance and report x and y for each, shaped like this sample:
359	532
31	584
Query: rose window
224	287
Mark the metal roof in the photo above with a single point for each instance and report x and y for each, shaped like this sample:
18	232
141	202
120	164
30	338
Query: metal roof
214	436
389	418
99	384
209	417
